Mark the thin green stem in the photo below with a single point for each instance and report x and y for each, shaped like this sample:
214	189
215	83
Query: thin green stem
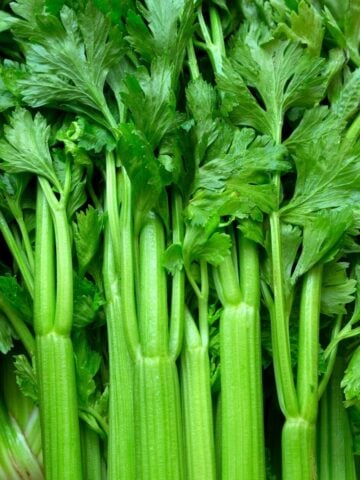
109	117
91	454
279	329
192	61
214	46
158	426
112	207
64	268
308	350
17	254
234	250
217	36
26	240
204	29
178	282
203	304
44	298
346	332
193	283
298	450
127	271
331	358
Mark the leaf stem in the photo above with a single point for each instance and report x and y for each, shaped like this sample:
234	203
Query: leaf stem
214	46
197	408
91	456
279	329
178	282
331	358
203	304
27	244
192	61
18	254
44	298
308	356
335	445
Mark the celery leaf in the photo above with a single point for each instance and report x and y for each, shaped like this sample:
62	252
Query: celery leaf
87	230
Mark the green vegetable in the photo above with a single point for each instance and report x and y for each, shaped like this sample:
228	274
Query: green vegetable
179	226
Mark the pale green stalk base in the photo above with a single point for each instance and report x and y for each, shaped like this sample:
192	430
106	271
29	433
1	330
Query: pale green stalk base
335	443
121	442
298	450
121	439
197	417
91	455
242	429
218	435
58	407
157	420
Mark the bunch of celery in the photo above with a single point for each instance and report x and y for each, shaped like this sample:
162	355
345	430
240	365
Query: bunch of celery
179	218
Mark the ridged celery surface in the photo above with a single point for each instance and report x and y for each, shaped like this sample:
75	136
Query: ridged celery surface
242	441
54	354
121	440
157	395
335	441
179	222
197	405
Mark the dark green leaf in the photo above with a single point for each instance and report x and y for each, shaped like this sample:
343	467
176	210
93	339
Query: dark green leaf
306	27
322	236
25	147
337	289
87	230
26	377
351	381
68	60
87	302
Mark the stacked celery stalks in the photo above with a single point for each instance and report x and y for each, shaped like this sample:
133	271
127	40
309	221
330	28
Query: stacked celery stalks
160	176
127	129
302	234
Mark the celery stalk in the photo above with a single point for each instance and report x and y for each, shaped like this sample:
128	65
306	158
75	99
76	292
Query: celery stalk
197	408
335	442
54	354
